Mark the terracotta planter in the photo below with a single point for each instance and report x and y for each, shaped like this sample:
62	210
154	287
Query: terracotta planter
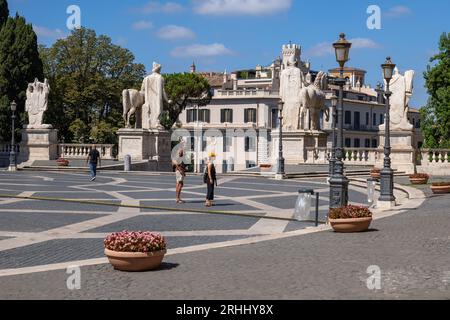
440	189
375	174
418	180
63	163
265	168
350	225
135	261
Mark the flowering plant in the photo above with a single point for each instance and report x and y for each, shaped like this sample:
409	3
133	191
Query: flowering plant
130	241
350	212
441	184
419	175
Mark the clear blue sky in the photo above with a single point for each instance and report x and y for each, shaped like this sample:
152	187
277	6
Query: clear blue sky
236	34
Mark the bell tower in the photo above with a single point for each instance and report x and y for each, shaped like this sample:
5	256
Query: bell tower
291	50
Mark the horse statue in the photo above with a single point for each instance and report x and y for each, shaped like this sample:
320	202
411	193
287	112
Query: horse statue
133	100
312	101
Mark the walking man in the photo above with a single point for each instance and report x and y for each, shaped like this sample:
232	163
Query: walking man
93	160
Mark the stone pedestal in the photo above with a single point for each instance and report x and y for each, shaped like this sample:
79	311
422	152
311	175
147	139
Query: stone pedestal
402	153
296	144
38	144
146	145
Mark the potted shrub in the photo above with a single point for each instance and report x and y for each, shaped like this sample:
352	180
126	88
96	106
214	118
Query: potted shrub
265	167
350	219
419	178
135	251
440	187
62	162
375	173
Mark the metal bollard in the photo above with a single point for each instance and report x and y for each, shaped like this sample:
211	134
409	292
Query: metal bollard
127	163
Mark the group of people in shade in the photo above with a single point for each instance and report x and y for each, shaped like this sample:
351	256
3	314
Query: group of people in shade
209	178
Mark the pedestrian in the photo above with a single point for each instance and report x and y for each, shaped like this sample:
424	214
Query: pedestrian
210	179
180	173
93	160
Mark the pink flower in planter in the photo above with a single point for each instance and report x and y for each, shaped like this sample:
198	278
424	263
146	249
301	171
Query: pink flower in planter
139	241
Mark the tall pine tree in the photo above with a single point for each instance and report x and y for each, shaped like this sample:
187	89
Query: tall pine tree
20	64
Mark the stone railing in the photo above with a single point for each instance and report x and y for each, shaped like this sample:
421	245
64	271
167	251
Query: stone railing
434	157
5	149
245	93
81	151
354	156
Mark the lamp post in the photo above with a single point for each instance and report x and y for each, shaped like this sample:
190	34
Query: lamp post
12	153
334	101
280	173
338	181
387	176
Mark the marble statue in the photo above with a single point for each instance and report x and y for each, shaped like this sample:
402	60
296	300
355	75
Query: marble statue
155	95
312	102
401	87
133	100
37	103
291	82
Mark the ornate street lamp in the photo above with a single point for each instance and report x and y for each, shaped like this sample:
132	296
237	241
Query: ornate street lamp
338	181
334	101
280	173
12	153
387	175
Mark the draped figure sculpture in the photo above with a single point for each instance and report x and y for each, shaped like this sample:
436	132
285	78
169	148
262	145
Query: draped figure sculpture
401	87
37	103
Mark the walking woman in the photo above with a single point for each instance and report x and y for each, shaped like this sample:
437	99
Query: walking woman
180	173
211	180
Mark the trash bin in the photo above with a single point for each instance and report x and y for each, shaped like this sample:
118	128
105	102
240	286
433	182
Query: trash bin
371	184
303	205
127	163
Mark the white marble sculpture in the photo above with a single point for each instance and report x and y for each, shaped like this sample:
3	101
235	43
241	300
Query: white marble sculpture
291	82
401	87
133	100
312	102
155	95
37	103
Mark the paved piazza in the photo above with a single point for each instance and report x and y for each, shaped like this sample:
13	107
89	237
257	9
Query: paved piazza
37	233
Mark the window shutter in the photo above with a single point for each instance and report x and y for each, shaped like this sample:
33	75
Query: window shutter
222	115
246	115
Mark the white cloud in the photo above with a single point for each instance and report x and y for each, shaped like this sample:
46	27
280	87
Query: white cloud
44	32
326	48
398	11
155	7
173	32
142	25
200	50
241	7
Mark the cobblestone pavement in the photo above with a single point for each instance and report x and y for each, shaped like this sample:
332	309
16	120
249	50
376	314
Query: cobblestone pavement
41	232
411	249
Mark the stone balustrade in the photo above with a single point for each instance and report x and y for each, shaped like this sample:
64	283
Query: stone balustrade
81	151
5	149
245	93
354	156
435	156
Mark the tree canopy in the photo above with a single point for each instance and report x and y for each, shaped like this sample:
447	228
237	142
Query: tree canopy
185	89
19	65
87	74
436	114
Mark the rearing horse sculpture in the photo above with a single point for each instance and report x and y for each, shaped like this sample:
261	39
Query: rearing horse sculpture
312	101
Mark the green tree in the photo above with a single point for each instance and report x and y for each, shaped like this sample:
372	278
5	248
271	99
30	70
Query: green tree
87	74
436	114
184	89
4	12
19	65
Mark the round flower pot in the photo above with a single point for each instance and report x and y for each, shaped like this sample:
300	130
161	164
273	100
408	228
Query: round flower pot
418	180
375	174
265	168
440	189
135	261
350	225
62	162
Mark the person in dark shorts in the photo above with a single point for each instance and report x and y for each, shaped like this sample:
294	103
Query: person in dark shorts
210	180
93	160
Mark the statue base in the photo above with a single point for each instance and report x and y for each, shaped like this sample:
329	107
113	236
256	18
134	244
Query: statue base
297	145
38	144
152	145
402	151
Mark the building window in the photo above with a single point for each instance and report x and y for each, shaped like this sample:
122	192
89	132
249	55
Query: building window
367	119
357	143
374	120
250	116
274	119
204	116
226	115
367	143
348	142
418	124
414	122
250	144
381	119
374	143
227	143
191	115
348	117
250	164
